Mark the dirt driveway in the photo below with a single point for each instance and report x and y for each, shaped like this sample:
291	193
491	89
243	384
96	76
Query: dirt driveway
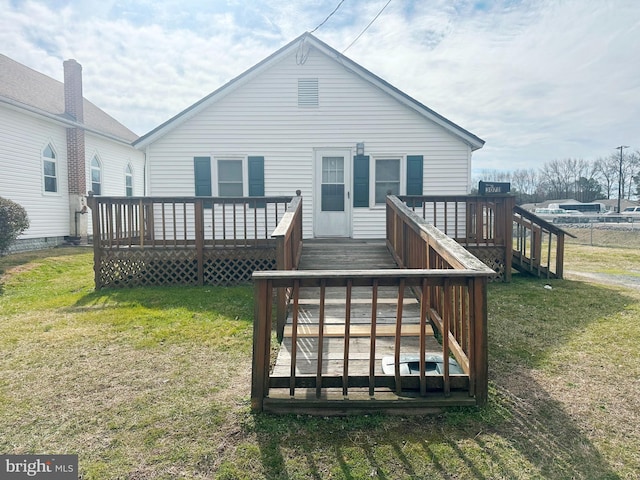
629	281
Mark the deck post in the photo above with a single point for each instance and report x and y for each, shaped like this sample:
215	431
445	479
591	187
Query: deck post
509	203
97	239
559	255
199	232
261	343
480	350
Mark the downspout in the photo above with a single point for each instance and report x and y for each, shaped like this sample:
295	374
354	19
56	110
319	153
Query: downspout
144	170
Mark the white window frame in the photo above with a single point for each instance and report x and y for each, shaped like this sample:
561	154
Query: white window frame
56	166
129	172
215	187
96	157
372	176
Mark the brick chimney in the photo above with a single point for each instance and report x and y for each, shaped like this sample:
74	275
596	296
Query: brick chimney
76	164
73	90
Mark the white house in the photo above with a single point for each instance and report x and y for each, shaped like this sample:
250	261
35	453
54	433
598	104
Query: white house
55	146
309	118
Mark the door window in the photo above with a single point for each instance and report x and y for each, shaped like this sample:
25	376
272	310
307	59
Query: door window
332	184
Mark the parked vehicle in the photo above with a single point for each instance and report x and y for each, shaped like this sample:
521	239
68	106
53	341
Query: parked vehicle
560	215
631	213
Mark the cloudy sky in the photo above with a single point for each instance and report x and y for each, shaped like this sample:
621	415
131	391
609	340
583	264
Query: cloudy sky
536	79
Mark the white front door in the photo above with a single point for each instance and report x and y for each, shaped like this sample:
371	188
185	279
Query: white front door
332	211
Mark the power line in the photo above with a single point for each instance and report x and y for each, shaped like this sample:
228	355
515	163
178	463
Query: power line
328	17
367	27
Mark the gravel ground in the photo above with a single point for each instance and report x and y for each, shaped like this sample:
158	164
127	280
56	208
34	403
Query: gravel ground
630	281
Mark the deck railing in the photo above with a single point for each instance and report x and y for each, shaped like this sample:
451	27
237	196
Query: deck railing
288	236
538	246
451	286
186	240
456	308
481	223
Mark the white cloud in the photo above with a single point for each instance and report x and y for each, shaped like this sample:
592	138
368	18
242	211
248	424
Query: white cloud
537	79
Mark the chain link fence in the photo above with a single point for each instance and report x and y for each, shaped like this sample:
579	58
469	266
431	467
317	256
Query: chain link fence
601	234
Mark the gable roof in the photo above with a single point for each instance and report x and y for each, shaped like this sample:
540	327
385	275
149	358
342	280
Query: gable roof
469	138
25	88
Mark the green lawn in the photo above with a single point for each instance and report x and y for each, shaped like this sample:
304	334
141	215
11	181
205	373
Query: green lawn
153	383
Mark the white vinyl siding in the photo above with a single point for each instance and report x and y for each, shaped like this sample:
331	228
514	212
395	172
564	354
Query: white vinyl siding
114	158
261	116
23	139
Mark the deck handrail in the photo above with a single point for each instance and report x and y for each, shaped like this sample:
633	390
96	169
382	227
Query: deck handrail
452	287
414	243
468	219
124	222
402	222
202	231
529	234
288	236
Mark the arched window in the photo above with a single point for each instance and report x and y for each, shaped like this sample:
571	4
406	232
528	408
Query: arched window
49	169
128	181
96	176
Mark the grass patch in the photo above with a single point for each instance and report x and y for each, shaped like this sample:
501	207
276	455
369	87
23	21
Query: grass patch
153	383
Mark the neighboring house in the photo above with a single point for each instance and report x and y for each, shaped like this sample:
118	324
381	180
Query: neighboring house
55	146
612	204
309	118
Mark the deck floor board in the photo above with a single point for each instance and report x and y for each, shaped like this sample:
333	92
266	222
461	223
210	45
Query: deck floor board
355	256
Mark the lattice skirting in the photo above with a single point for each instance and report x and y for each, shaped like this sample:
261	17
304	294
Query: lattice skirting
493	257
138	267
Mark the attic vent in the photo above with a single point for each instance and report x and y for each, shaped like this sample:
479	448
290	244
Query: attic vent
307	92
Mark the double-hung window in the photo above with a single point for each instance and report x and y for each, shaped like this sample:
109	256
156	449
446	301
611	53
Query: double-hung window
230	177
376	176
387	178
49	169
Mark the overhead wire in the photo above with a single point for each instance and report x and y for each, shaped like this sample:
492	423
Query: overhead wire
328	17
367	27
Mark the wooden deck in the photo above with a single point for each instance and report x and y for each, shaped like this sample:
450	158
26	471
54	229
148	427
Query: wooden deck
350	255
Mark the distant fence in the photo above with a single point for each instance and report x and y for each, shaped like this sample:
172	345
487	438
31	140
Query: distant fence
620	235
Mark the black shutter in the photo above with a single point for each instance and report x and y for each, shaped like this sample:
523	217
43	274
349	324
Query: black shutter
202	174
361	181
256	179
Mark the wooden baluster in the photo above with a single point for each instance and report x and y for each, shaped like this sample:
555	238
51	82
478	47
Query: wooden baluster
234	224
184	223
224	223
347	337
294	338
424	305
398	337
446	328
372	344
323	289
246	235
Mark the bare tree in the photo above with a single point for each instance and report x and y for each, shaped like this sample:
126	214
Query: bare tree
559	177
630	170
606	171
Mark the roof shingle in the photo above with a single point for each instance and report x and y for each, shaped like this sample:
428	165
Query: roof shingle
33	89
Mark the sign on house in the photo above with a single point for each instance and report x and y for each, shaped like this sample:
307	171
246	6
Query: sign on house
493	188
